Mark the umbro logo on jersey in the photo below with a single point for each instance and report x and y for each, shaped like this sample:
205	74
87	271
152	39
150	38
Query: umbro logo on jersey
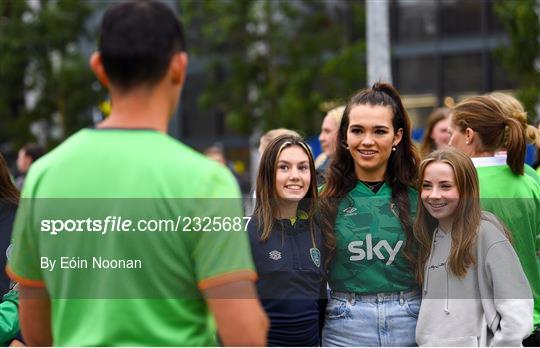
355	247
350	211
275	255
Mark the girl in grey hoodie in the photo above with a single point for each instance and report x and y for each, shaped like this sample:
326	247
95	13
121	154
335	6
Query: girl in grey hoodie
474	290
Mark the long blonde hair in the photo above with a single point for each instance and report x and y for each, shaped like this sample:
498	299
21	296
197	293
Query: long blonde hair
466	217
513	108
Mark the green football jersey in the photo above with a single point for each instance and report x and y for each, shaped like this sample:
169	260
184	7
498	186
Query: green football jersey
140	285
532	173
370	241
516	201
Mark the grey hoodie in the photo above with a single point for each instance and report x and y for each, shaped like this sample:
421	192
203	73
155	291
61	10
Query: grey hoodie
490	306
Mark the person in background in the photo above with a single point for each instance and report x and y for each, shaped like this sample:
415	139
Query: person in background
9	200
287	244
216	153
193	287
479	126
368	205
27	155
475	292
436	134
327	138
267	137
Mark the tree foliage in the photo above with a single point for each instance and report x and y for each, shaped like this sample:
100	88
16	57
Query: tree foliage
521	22
277	63
43	75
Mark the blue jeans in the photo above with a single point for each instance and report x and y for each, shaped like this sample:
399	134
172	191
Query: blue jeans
384	319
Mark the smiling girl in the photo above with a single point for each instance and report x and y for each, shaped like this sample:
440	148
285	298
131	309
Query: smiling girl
368	207
474	290
287	245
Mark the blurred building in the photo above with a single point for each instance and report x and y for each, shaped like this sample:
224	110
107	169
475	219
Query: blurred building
445	48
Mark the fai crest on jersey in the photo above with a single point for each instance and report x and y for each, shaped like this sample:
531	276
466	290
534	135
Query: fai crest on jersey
315	256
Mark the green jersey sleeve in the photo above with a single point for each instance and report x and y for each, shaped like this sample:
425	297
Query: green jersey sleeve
222	254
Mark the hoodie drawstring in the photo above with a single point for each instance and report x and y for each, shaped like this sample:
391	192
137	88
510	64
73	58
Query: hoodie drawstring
446	309
426	281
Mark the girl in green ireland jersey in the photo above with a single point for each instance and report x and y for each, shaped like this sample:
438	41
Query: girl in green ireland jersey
469	270
368	205
479	126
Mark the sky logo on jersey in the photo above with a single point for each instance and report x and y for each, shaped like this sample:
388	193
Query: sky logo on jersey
356	248
350	211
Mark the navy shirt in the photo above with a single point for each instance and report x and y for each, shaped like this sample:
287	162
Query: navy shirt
291	282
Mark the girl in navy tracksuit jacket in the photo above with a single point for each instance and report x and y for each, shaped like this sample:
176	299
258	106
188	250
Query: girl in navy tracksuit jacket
287	245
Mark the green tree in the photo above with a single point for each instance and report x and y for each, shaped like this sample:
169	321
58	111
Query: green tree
43	75
277	63
522	25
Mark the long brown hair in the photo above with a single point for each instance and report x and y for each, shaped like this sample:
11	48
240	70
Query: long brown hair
428	144
8	192
486	117
400	171
466	217
266	204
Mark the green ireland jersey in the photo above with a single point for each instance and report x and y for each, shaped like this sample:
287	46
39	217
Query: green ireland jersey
370	241
532	173
516	201
140	286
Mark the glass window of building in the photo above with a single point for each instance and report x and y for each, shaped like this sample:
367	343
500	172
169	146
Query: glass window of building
463	73
416	75
461	18
413	20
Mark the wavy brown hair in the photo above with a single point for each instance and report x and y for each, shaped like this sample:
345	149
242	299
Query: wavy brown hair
266	204
428	145
466	217
8	192
400	171
486	116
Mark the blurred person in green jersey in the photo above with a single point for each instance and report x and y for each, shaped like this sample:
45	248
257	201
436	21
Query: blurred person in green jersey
200	283
479	127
